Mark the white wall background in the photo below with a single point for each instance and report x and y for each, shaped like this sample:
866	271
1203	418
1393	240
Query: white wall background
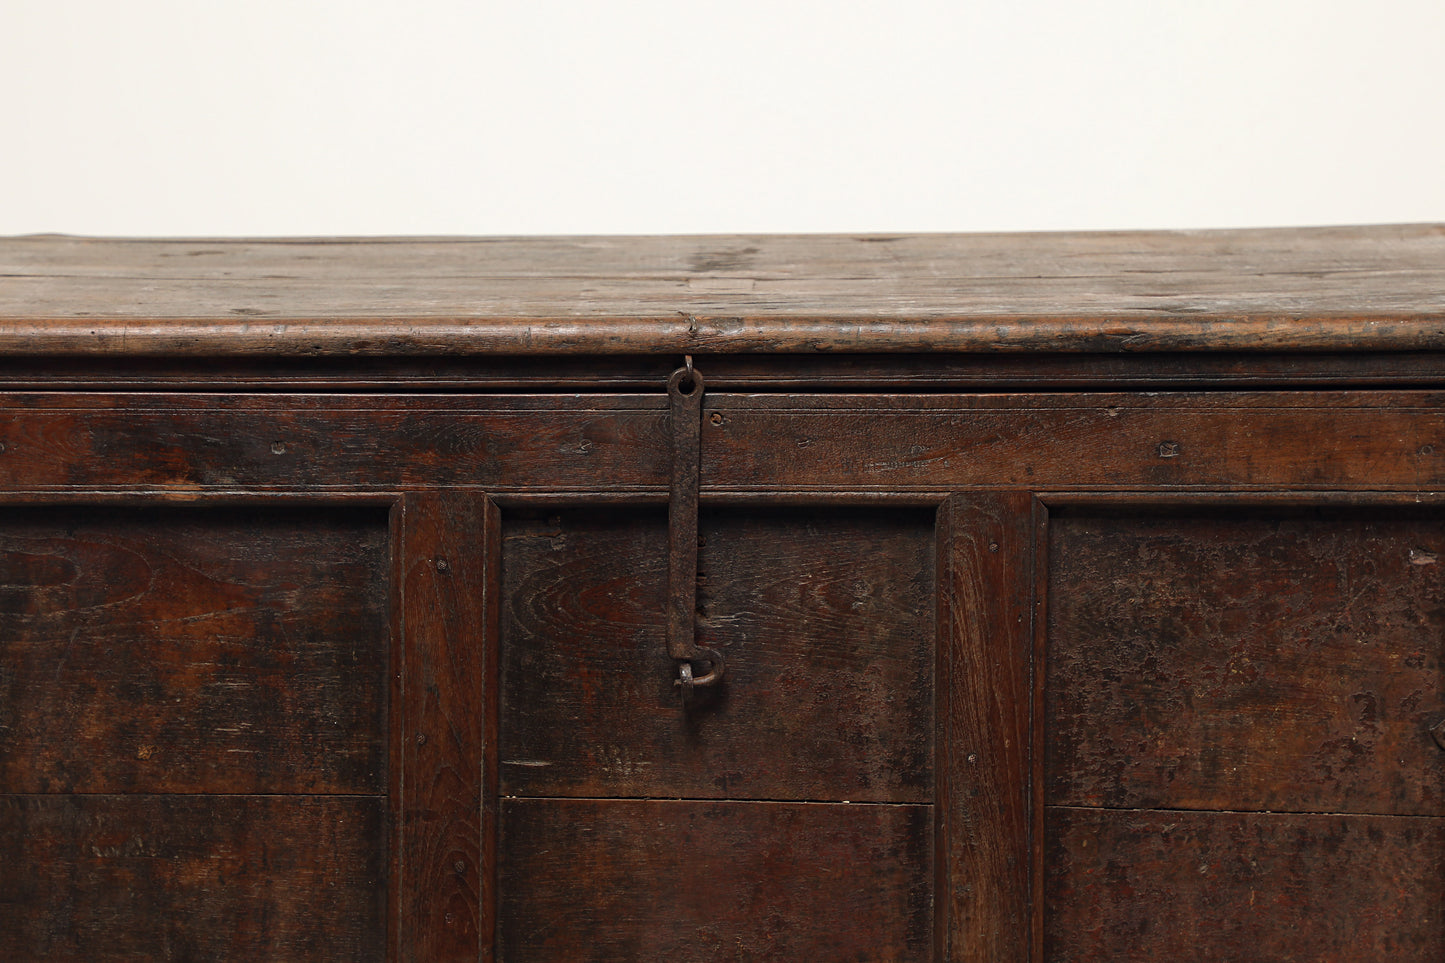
196	117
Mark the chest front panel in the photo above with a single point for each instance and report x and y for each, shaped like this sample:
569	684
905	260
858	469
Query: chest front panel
1005	670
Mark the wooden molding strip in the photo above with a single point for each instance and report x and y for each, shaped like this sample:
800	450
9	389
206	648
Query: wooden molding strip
1409	330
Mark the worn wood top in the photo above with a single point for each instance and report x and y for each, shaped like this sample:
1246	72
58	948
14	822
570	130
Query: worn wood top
1380	288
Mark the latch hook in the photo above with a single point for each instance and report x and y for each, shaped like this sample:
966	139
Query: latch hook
684	390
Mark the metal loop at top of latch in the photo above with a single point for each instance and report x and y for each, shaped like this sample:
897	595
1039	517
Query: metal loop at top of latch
684	383
684	391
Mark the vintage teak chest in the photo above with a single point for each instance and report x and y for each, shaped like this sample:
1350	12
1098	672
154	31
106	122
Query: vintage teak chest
887	598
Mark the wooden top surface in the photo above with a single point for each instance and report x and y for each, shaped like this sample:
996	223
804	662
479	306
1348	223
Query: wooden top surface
1312	289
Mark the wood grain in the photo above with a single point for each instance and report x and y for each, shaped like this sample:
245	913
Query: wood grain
1247	660
1147	886
121	878
588	881
824	619
1311	289
897	444
986	560
193	442
1287	253
446	728
192	650
940	442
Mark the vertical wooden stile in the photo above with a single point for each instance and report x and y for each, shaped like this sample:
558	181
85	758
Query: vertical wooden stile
1039	668
445	728
396	860
986	565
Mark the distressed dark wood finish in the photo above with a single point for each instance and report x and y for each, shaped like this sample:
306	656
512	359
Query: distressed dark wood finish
986	556
192	650
1316	289
1148	886
899	443
186	877
887	444
855	384
1248	660
326	443
586	880
825	622
446	864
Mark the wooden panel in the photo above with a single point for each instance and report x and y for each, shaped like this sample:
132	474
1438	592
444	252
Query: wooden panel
1151	886
986	561
446	871
112	878
1311	289
1275	661
824	618
1292	258
898	444
584	880
192	650
233	442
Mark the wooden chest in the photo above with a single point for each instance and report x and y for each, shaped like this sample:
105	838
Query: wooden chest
1075	597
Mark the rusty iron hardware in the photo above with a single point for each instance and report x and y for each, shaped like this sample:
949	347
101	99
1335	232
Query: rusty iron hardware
1438	731
684	390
